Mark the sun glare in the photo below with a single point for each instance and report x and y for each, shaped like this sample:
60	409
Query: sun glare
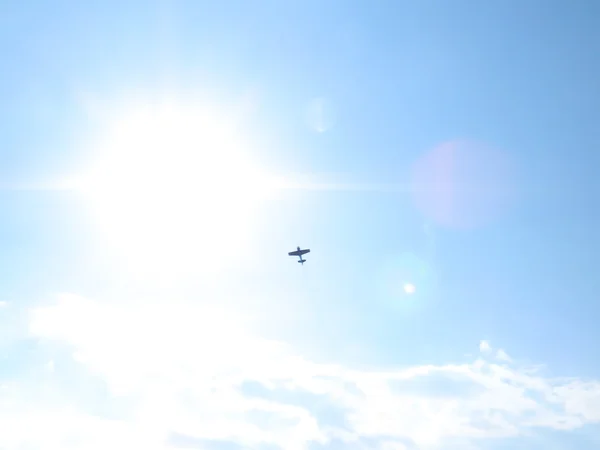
174	190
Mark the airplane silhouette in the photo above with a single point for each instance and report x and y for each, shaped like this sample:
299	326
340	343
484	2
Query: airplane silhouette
299	253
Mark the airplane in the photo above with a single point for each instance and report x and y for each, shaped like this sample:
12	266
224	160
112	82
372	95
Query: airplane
299	253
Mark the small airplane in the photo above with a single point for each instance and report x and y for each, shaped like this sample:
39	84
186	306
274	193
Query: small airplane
299	253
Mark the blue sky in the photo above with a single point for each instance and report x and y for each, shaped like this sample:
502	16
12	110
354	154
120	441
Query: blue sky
159	160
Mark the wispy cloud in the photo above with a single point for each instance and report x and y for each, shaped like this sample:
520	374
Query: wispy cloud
179	375
503	356
485	347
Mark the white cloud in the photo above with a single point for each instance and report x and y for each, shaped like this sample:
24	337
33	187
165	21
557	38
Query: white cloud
50	366
503	356
3	304
485	347
181	374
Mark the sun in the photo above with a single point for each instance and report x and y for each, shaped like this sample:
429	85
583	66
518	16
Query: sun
174	189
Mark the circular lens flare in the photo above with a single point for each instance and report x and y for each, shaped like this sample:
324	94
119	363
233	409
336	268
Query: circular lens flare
401	275
409	288
320	114
463	184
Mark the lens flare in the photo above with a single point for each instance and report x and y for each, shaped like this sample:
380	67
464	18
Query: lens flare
463	184
409	288
400	276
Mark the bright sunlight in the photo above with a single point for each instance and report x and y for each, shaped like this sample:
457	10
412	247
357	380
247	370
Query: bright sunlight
174	190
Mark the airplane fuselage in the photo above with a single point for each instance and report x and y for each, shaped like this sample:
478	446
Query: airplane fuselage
299	254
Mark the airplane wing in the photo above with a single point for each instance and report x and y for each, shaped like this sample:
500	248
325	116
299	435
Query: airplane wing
299	252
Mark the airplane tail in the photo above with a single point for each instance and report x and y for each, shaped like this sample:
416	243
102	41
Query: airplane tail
302	261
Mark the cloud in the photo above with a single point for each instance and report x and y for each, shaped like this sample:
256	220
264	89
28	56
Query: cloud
180	375
503	356
485	347
3	304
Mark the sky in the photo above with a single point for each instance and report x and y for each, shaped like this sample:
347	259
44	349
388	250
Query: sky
160	159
